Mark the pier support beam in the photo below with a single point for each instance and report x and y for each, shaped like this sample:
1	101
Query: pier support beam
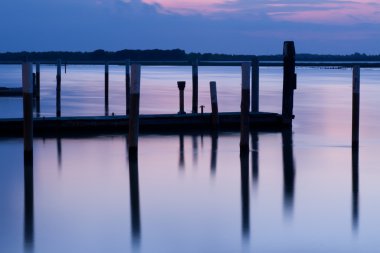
58	90
244	117
106	85
255	85
195	86
289	82
355	105
27	90
181	87
134	110
127	85
214	106
38	89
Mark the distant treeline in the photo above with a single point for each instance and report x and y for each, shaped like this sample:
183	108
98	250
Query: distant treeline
169	55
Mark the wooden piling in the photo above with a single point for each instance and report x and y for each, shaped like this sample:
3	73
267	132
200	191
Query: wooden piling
58	89
195	86
37	89
181	87
127	85
106	88
255	85
244	116
289	82
27	90
134	110
214	106
355	105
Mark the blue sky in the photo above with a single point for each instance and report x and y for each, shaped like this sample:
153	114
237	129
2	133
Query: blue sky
217	26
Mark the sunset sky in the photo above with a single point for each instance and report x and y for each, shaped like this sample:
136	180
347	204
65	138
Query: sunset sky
217	26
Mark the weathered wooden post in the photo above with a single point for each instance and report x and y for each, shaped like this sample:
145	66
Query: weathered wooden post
127	85
134	110
355	105
58	90
214	106
202	108
106	85
244	116
289	82
38	88
255	85
27	90
181	87
195	86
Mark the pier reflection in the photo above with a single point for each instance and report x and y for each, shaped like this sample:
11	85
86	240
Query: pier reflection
255	157
214	152
181	163
355	188
135	201
245	212
28	205
59	151
288	170
194	138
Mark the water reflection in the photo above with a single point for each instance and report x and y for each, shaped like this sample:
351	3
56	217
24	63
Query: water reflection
135	201
244	175
194	138
355	188
28	205
214	152
181	163
59	151
289	171
255	157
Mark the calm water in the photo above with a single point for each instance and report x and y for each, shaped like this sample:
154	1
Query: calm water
300	192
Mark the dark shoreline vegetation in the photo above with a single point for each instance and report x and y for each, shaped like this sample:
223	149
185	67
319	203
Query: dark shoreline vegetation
170	55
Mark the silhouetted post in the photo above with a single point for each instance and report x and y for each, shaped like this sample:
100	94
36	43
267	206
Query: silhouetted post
289	82
181	87
27	90
255	85
214	106
195	86
58	91
127	85
135	200
38	89
355	187
355	105
202	108
289	170
134	110
244	117
106	86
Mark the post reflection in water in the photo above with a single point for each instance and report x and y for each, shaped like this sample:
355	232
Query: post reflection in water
194	138
59	151
244	174
289	171
355	188
214	152
255	157
28	205
135	200
181	163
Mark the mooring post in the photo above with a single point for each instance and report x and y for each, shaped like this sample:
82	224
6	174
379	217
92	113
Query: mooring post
106	84
214	106
27	90
195	86
355	105
127	85
255	85
134	110
244	117
58	93
37	90
181	87
289	82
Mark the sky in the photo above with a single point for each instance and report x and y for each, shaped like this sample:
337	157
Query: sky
215	26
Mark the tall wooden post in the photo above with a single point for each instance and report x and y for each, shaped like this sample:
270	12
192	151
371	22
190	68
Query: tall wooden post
127	85
355	105
38	89
289	82
27	90
106	85
255	85
195	86
58	90
134	110
244	116
181	87
214	106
